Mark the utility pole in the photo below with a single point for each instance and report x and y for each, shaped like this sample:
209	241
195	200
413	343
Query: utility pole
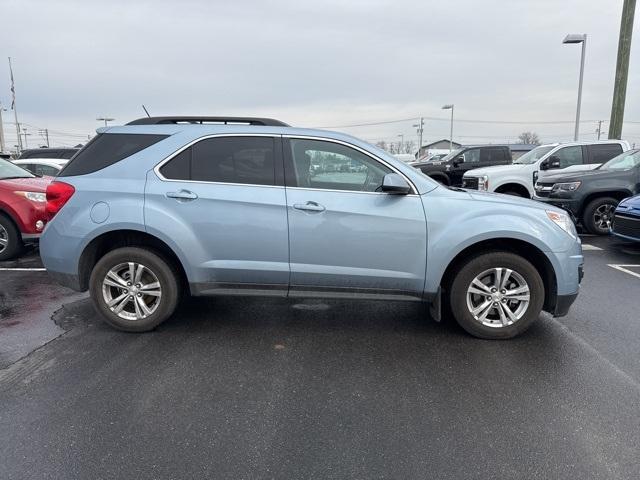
45	134
1	130
13	107
622	69
599	129
24	132
420	128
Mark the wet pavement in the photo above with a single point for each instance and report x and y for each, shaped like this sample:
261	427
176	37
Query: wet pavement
255	388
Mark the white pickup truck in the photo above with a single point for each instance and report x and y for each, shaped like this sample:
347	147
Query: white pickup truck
520	177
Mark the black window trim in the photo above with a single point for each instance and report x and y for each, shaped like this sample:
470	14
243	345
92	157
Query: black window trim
414	190
277	161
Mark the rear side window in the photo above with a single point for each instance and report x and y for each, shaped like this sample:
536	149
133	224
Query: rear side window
246	160
492	155
106	149
604	153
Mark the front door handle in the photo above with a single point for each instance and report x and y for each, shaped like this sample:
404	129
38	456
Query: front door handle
184	195
309	207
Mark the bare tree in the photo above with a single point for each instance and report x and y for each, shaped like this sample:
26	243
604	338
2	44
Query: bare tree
409	146
530	138
382	144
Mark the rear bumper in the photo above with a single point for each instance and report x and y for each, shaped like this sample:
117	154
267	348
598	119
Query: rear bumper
66	280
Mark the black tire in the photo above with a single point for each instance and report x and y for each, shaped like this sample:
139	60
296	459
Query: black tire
514	193
166	274
10	233
476	266
594	220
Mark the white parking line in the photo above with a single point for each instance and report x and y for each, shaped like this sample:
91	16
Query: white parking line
19	269
586	246
623	268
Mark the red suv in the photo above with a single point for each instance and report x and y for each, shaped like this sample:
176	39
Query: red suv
22	208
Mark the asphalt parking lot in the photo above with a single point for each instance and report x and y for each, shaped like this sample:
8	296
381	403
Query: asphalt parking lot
254	388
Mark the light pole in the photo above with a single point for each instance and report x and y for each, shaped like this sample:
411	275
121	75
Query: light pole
449	106
578	38
105	120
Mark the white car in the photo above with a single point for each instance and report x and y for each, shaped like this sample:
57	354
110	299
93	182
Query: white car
520	177
44	167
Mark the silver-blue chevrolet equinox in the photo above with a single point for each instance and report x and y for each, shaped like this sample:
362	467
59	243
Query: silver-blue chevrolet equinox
251	206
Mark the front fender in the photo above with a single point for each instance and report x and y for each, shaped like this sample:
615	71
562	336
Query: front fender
456	222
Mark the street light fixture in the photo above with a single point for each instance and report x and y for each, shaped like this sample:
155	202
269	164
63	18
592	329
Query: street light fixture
578	38
105	120
449	106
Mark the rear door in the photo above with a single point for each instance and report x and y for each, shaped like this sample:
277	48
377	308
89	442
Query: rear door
346	237
221	200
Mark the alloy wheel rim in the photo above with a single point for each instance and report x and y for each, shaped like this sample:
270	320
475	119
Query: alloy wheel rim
131	291
4	239
602	216
498	297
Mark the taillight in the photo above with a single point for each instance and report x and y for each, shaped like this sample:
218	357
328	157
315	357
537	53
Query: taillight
58	193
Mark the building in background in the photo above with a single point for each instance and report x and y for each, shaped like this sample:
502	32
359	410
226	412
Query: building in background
441	146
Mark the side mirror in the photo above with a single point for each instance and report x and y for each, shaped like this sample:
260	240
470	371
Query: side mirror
551	163
458	161
394	184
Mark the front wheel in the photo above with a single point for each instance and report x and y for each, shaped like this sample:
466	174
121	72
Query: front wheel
134	289
598	214
10	241
496	295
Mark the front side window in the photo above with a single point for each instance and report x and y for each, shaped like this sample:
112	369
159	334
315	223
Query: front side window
245	160
472	156
332	166
569	156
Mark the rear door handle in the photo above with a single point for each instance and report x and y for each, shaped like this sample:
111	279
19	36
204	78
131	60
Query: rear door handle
309	207
182	195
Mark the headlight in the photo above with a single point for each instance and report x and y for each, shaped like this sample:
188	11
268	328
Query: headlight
563	221
566	187
33	196
483	182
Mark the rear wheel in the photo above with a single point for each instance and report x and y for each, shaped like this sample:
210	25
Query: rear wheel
598	213
134	289
496	295
10	241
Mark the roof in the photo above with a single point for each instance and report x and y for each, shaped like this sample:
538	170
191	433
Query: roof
438	141
220	120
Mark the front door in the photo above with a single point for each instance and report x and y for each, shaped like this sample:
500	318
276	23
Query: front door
222	204
346	237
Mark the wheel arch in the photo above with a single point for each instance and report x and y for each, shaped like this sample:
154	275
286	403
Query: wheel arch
527	250
110	240
618	194
513	186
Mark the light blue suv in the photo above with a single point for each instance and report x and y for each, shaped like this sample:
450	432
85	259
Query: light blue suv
246	206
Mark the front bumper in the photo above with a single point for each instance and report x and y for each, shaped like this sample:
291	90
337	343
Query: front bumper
563	304
572	207
30	237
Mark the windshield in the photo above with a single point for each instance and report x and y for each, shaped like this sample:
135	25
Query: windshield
624	161
534	155
9	170
453	154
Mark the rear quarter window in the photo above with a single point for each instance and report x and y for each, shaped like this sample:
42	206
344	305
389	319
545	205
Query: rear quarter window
604	153
106	149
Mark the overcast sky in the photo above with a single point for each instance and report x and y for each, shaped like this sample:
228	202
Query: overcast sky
317	64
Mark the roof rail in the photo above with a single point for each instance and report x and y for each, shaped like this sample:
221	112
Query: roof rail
266	122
